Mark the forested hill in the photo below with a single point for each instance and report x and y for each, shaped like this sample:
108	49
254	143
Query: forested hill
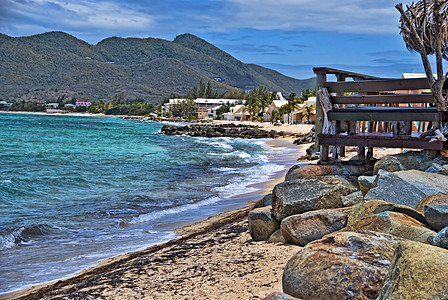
51	65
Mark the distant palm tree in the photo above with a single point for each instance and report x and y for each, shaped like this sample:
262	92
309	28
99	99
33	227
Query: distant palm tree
309	113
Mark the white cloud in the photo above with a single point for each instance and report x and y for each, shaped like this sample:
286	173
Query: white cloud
83	14
346	16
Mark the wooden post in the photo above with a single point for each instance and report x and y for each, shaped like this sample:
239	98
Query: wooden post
341	77
320	80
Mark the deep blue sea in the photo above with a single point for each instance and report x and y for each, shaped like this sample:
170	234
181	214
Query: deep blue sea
76	190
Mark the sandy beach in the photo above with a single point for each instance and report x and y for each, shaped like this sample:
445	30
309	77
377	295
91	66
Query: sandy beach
212	259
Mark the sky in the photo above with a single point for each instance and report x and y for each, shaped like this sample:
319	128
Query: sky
290	36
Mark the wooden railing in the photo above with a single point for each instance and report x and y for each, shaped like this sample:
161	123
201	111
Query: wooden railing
378	107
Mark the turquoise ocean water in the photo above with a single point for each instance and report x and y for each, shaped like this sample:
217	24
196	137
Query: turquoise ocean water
76	190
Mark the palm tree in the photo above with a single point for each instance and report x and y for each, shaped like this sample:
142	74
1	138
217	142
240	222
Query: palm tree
309	112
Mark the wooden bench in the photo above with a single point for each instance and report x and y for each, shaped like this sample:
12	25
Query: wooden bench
377	106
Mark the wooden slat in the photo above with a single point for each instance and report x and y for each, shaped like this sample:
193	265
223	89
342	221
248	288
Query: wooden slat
383	99
392	114
384	85
325	71
397	142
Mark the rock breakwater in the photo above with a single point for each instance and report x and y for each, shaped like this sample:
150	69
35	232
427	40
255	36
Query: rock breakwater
222	130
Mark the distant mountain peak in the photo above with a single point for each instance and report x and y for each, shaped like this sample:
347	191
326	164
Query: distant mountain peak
55	64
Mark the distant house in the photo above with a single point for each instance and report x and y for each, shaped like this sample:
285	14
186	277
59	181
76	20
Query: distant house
300	115
52	105
204	107
236	113
69	105
5	105
275	106
81	103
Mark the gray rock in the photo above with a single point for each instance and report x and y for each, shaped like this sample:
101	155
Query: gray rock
440	239
366	183
277	237
435	168
302	195
407	187
353	199
437	215
262	224
343	265
388	163
266	201
313	225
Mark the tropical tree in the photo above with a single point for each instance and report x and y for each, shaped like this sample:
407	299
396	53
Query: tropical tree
309	112
183	108
253	107
292	104
424	29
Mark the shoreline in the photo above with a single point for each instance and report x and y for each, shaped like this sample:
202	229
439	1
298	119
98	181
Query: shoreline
187	231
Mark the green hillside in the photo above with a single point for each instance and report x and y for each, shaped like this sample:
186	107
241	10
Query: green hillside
47	66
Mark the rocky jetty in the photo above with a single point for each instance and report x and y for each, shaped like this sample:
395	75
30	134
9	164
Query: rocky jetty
378	232
221	130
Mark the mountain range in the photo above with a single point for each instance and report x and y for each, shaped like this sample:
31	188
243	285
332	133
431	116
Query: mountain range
52	65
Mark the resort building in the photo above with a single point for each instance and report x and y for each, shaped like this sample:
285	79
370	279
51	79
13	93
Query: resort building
5	105
81	103
275	106
236	113
306	113
204	108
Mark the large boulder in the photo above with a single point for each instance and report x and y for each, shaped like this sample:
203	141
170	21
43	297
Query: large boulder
397	220
417	271
407	187
302	195
437	215
432	199
388	163
312	171
313	225
343	265
262	224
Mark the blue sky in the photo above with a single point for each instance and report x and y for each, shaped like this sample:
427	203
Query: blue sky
290	36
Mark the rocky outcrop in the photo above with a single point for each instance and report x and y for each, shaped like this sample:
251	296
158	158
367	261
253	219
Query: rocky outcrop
342	265
417	271
433	199
302	195
221	130
413	160
407	187
437	215
310	226
397	220
313	171
262	224
310	137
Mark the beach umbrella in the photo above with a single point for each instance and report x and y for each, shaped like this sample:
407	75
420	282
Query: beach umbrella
422	15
